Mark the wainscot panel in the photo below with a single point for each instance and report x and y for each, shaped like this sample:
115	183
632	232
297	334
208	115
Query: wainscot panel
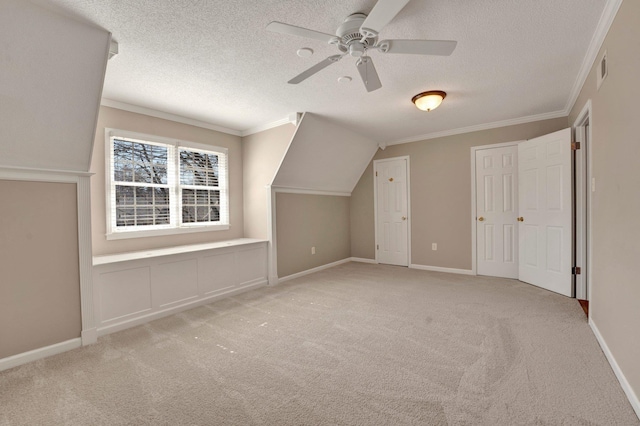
133	288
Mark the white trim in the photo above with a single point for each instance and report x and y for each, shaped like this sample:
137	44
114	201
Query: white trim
292	190
474	223
123	325
375	203
36	354
85	267
184	229
586	253
441	269
170	251
167	116
267	126
272	236
362	260
40	175
486	126
85	251
624	383
313	270
606	20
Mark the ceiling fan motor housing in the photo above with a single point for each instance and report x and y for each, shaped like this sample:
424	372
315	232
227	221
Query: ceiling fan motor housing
349	33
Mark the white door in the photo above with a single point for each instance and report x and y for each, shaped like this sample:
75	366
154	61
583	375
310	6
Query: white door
392	211
496	211
544	173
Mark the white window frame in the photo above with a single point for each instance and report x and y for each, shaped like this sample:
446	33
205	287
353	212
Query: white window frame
173	180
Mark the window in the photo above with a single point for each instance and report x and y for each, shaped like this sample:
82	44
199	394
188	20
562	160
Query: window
157	186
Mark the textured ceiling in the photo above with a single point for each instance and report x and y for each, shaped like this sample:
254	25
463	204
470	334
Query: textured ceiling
214	61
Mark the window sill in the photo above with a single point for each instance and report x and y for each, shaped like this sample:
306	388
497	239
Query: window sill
238	243
122	235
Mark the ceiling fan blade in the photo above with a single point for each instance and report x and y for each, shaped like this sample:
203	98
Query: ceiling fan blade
418	47
282	28
381	14
368	73
314	69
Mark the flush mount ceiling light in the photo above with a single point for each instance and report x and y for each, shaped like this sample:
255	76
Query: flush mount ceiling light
427	101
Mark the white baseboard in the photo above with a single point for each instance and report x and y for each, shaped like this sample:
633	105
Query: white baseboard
362	260
626	387
441	269
89	336
25	357
312	270
133	322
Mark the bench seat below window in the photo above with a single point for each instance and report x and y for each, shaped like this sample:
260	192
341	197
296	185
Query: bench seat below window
134	288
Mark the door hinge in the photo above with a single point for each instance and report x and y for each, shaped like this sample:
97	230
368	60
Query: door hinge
377	247
376	173
576	270
575	146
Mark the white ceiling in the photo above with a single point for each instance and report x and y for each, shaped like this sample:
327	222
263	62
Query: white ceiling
213	61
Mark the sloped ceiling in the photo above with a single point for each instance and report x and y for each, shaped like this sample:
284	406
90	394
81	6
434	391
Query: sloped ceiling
214	61
52	69
324	156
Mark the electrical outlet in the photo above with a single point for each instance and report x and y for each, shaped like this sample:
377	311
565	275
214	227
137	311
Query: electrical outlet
313	250
434	246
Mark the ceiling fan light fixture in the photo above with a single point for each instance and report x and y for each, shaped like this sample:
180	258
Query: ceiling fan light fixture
427	101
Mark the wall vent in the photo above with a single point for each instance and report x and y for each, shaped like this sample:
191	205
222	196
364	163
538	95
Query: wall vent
603	69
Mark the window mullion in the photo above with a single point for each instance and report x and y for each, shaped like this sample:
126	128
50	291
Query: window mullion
176	193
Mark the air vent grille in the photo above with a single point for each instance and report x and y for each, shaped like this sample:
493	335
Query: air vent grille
603	69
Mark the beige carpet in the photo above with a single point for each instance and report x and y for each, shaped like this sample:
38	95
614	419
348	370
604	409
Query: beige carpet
353	345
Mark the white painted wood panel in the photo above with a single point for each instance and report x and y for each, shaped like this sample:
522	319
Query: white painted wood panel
546	209
496	209
125	292
217	273
252	264
174	282
136	288
392	211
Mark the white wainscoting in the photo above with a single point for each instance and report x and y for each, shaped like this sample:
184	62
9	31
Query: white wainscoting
134	288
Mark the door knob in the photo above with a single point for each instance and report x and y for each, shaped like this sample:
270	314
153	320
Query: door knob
521	219
480	219
404	218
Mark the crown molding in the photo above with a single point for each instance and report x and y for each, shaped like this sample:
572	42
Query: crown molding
606	20
485	126
264	127
167	116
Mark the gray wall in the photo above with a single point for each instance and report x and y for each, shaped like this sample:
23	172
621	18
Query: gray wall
303	221
615	291
40	282
440	194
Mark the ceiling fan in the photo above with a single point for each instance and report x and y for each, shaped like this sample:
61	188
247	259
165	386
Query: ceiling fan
357	35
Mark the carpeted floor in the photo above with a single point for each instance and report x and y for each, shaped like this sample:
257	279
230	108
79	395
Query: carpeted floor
356	344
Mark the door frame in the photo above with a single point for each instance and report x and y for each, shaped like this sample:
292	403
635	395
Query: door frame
375	204
583	202
474	222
